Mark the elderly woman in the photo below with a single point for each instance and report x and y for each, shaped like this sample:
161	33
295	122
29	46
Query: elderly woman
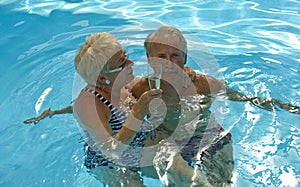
113	135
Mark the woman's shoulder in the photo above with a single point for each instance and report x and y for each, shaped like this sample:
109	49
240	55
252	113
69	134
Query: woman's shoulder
87	102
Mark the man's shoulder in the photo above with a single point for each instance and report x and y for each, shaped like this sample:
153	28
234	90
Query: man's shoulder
206	78
201	76
206	84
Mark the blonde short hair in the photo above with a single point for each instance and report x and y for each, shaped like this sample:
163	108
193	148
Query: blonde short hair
162	35
93	55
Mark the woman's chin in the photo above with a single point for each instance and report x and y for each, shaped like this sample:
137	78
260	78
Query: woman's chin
130	77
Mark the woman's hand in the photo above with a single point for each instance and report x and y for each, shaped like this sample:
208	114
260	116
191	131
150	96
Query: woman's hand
190	77
141	107
190	72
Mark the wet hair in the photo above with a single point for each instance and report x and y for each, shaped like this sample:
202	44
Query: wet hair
94	54
165	32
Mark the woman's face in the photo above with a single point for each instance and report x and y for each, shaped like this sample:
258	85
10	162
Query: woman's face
119	69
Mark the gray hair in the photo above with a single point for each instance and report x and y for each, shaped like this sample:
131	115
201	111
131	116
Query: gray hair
94	54
162	35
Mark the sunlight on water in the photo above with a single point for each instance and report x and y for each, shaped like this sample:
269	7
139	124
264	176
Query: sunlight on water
41	99
253	45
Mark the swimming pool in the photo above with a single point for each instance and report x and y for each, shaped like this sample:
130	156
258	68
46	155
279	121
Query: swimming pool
255	43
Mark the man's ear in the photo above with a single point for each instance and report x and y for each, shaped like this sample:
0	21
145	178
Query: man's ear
148	57
185	56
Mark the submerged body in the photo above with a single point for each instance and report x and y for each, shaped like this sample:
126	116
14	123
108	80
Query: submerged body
197	139
190	130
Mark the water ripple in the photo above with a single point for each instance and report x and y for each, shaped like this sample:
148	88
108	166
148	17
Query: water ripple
255	44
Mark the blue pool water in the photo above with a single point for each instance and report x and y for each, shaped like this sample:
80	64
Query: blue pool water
256	45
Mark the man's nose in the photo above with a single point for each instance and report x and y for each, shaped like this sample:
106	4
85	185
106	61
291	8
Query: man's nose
168	62
168	58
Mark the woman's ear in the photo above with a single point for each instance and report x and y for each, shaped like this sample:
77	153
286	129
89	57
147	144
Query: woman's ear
101	79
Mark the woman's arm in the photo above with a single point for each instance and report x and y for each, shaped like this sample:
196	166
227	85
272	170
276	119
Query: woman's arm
68	109
93	116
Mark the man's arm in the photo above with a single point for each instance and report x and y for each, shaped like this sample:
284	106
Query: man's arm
216	88
264	103
50	113
137	87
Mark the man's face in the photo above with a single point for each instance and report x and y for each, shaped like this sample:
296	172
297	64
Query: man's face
172	59
168	53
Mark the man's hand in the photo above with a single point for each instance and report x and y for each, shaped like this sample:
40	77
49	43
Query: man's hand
50	113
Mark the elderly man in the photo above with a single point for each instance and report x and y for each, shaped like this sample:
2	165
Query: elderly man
168	47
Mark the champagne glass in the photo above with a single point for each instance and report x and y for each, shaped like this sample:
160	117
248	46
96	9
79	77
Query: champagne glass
154	83
154	75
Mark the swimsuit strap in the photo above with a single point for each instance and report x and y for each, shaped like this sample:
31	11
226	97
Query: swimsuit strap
101	98
117	118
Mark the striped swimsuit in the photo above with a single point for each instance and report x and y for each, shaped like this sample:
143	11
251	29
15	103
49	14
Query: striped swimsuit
131	156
